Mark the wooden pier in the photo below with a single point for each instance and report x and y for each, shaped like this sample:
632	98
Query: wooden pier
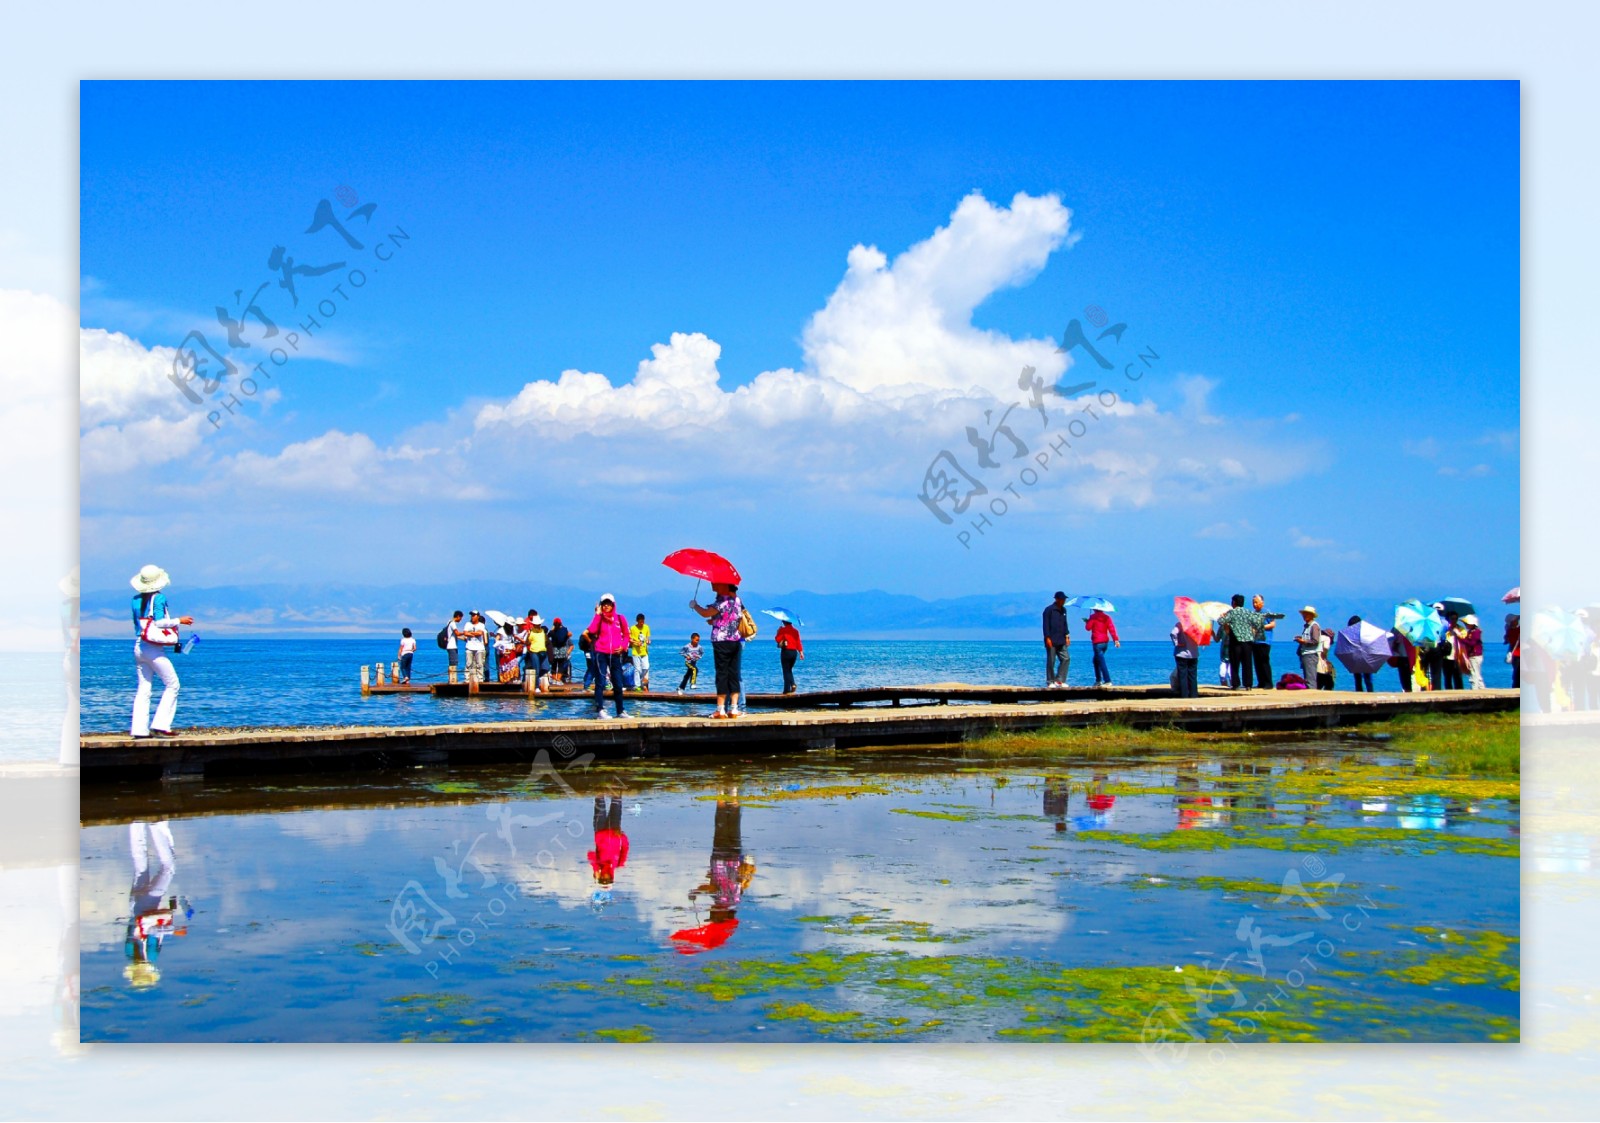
943	714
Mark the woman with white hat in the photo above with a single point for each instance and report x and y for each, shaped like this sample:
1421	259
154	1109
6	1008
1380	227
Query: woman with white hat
155	630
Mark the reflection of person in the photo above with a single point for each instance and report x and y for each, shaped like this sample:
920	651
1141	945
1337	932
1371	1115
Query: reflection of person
155	630
731	869
1055	801
610	851
1100	805
150	921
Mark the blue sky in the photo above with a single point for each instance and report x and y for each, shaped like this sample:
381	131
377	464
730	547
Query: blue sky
1329	273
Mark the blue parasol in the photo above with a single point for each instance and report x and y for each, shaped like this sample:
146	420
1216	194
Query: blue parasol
1419	623
785	616
1092	604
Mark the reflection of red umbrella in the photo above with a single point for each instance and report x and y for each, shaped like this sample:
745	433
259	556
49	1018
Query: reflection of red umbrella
693	941
703	564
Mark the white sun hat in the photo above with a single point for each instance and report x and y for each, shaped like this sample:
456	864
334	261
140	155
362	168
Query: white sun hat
150	579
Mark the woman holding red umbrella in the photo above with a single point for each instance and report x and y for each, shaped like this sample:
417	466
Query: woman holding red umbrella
727	644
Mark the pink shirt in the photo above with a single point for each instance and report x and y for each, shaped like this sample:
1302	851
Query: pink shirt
610	634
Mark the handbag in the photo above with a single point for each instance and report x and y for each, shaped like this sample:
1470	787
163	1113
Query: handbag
747	624
149	632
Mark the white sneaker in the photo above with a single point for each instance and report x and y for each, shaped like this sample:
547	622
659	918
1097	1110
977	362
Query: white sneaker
624	714
601	715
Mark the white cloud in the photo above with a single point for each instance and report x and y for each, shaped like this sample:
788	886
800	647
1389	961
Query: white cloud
894	372
1239	529
353	463
130	410
1304	541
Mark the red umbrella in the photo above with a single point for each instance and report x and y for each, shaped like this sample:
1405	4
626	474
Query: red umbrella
703	564
693	941
1193	619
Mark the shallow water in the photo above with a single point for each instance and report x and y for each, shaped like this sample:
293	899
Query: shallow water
317	682
923	895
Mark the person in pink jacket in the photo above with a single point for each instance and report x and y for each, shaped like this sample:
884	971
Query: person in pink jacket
1102	631
609	631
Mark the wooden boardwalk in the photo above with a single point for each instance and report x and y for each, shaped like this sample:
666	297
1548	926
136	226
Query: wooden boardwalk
949	713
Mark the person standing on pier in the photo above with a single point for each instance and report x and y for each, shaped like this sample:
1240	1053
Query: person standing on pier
1238	627
1513	638
1057	643
477	643
1308	645
1102	633
789	649
1261	643
1186	659
408	650
639	647
609	633
560	642
155	632
727	616
451	647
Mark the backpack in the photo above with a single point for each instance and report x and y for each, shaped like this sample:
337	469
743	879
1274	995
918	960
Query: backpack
444	637
747	624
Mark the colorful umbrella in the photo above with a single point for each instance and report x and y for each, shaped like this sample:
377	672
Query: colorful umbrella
1362	647
693	941
1419	623
1092	603
1513	597
703	564
1194	620
1461	606
1215	609
784	615
1559	633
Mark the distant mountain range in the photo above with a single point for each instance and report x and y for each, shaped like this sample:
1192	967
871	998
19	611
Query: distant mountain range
339	610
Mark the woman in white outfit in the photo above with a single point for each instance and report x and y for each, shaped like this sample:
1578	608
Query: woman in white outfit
155	631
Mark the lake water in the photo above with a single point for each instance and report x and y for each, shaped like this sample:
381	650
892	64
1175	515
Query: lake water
229	683
932	895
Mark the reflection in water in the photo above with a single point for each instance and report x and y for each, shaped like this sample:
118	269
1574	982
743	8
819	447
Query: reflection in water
729	876
1100	806
150	921
610	851
1056	789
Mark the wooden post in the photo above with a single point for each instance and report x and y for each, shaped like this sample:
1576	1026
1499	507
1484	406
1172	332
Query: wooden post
380	674
366	674
394	672
530	682
452	675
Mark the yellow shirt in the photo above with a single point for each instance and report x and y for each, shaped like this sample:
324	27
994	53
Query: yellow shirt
639	634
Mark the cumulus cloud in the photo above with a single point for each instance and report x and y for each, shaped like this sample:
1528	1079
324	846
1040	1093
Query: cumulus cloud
130	411
894	373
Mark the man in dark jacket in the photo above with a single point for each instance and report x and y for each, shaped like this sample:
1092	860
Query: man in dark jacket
1056	642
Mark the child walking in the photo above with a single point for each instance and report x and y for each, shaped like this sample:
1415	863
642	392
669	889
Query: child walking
691	652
